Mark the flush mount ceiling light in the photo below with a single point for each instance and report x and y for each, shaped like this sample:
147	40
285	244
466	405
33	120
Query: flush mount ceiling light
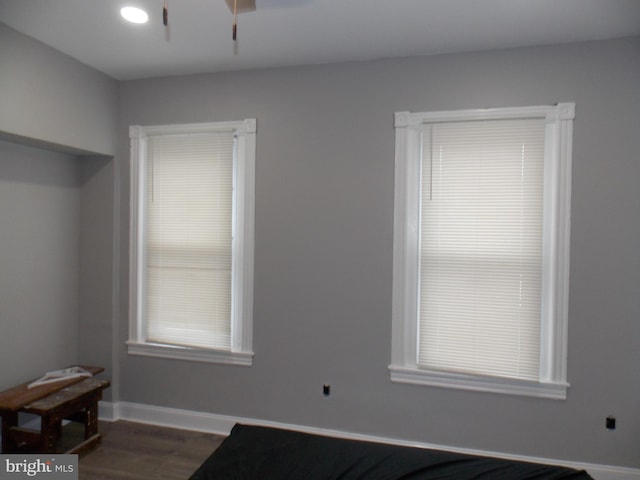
134	14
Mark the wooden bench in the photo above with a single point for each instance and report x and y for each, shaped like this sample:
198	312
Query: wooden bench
74	399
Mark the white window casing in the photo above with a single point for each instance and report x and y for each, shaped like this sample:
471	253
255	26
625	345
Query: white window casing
411	360
233	143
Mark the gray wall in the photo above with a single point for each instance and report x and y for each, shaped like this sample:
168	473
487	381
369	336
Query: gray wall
56	259
39	211
58	131
50	97
323	260
96	266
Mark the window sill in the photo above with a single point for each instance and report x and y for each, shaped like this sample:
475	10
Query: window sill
190	354
555	391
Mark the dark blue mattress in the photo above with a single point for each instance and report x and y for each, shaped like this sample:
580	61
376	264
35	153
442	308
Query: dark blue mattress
262	453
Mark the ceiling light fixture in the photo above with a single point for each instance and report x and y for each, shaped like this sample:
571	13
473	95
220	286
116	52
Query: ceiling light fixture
134	15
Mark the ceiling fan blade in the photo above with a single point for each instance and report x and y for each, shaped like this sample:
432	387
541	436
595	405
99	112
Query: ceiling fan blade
242	5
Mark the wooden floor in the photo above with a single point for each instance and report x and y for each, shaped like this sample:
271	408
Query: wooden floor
135	451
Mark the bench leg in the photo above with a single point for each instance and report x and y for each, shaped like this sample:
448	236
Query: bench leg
9	420
91	420
49	433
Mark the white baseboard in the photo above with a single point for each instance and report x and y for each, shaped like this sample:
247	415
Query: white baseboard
222	425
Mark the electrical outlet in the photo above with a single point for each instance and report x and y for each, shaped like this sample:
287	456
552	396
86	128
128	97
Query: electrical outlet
610	423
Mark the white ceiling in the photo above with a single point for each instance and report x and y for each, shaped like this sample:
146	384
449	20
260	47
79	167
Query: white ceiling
296	32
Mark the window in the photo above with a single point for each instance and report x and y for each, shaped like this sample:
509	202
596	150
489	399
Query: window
192	217
481	249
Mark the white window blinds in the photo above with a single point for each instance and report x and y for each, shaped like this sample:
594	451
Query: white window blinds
480	252
188	234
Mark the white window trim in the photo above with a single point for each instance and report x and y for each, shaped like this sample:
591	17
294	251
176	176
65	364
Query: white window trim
558	152
241	352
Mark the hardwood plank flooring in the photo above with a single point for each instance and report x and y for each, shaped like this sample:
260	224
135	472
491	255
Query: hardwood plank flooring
136	451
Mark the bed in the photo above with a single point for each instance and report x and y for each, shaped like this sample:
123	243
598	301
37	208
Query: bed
264	453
